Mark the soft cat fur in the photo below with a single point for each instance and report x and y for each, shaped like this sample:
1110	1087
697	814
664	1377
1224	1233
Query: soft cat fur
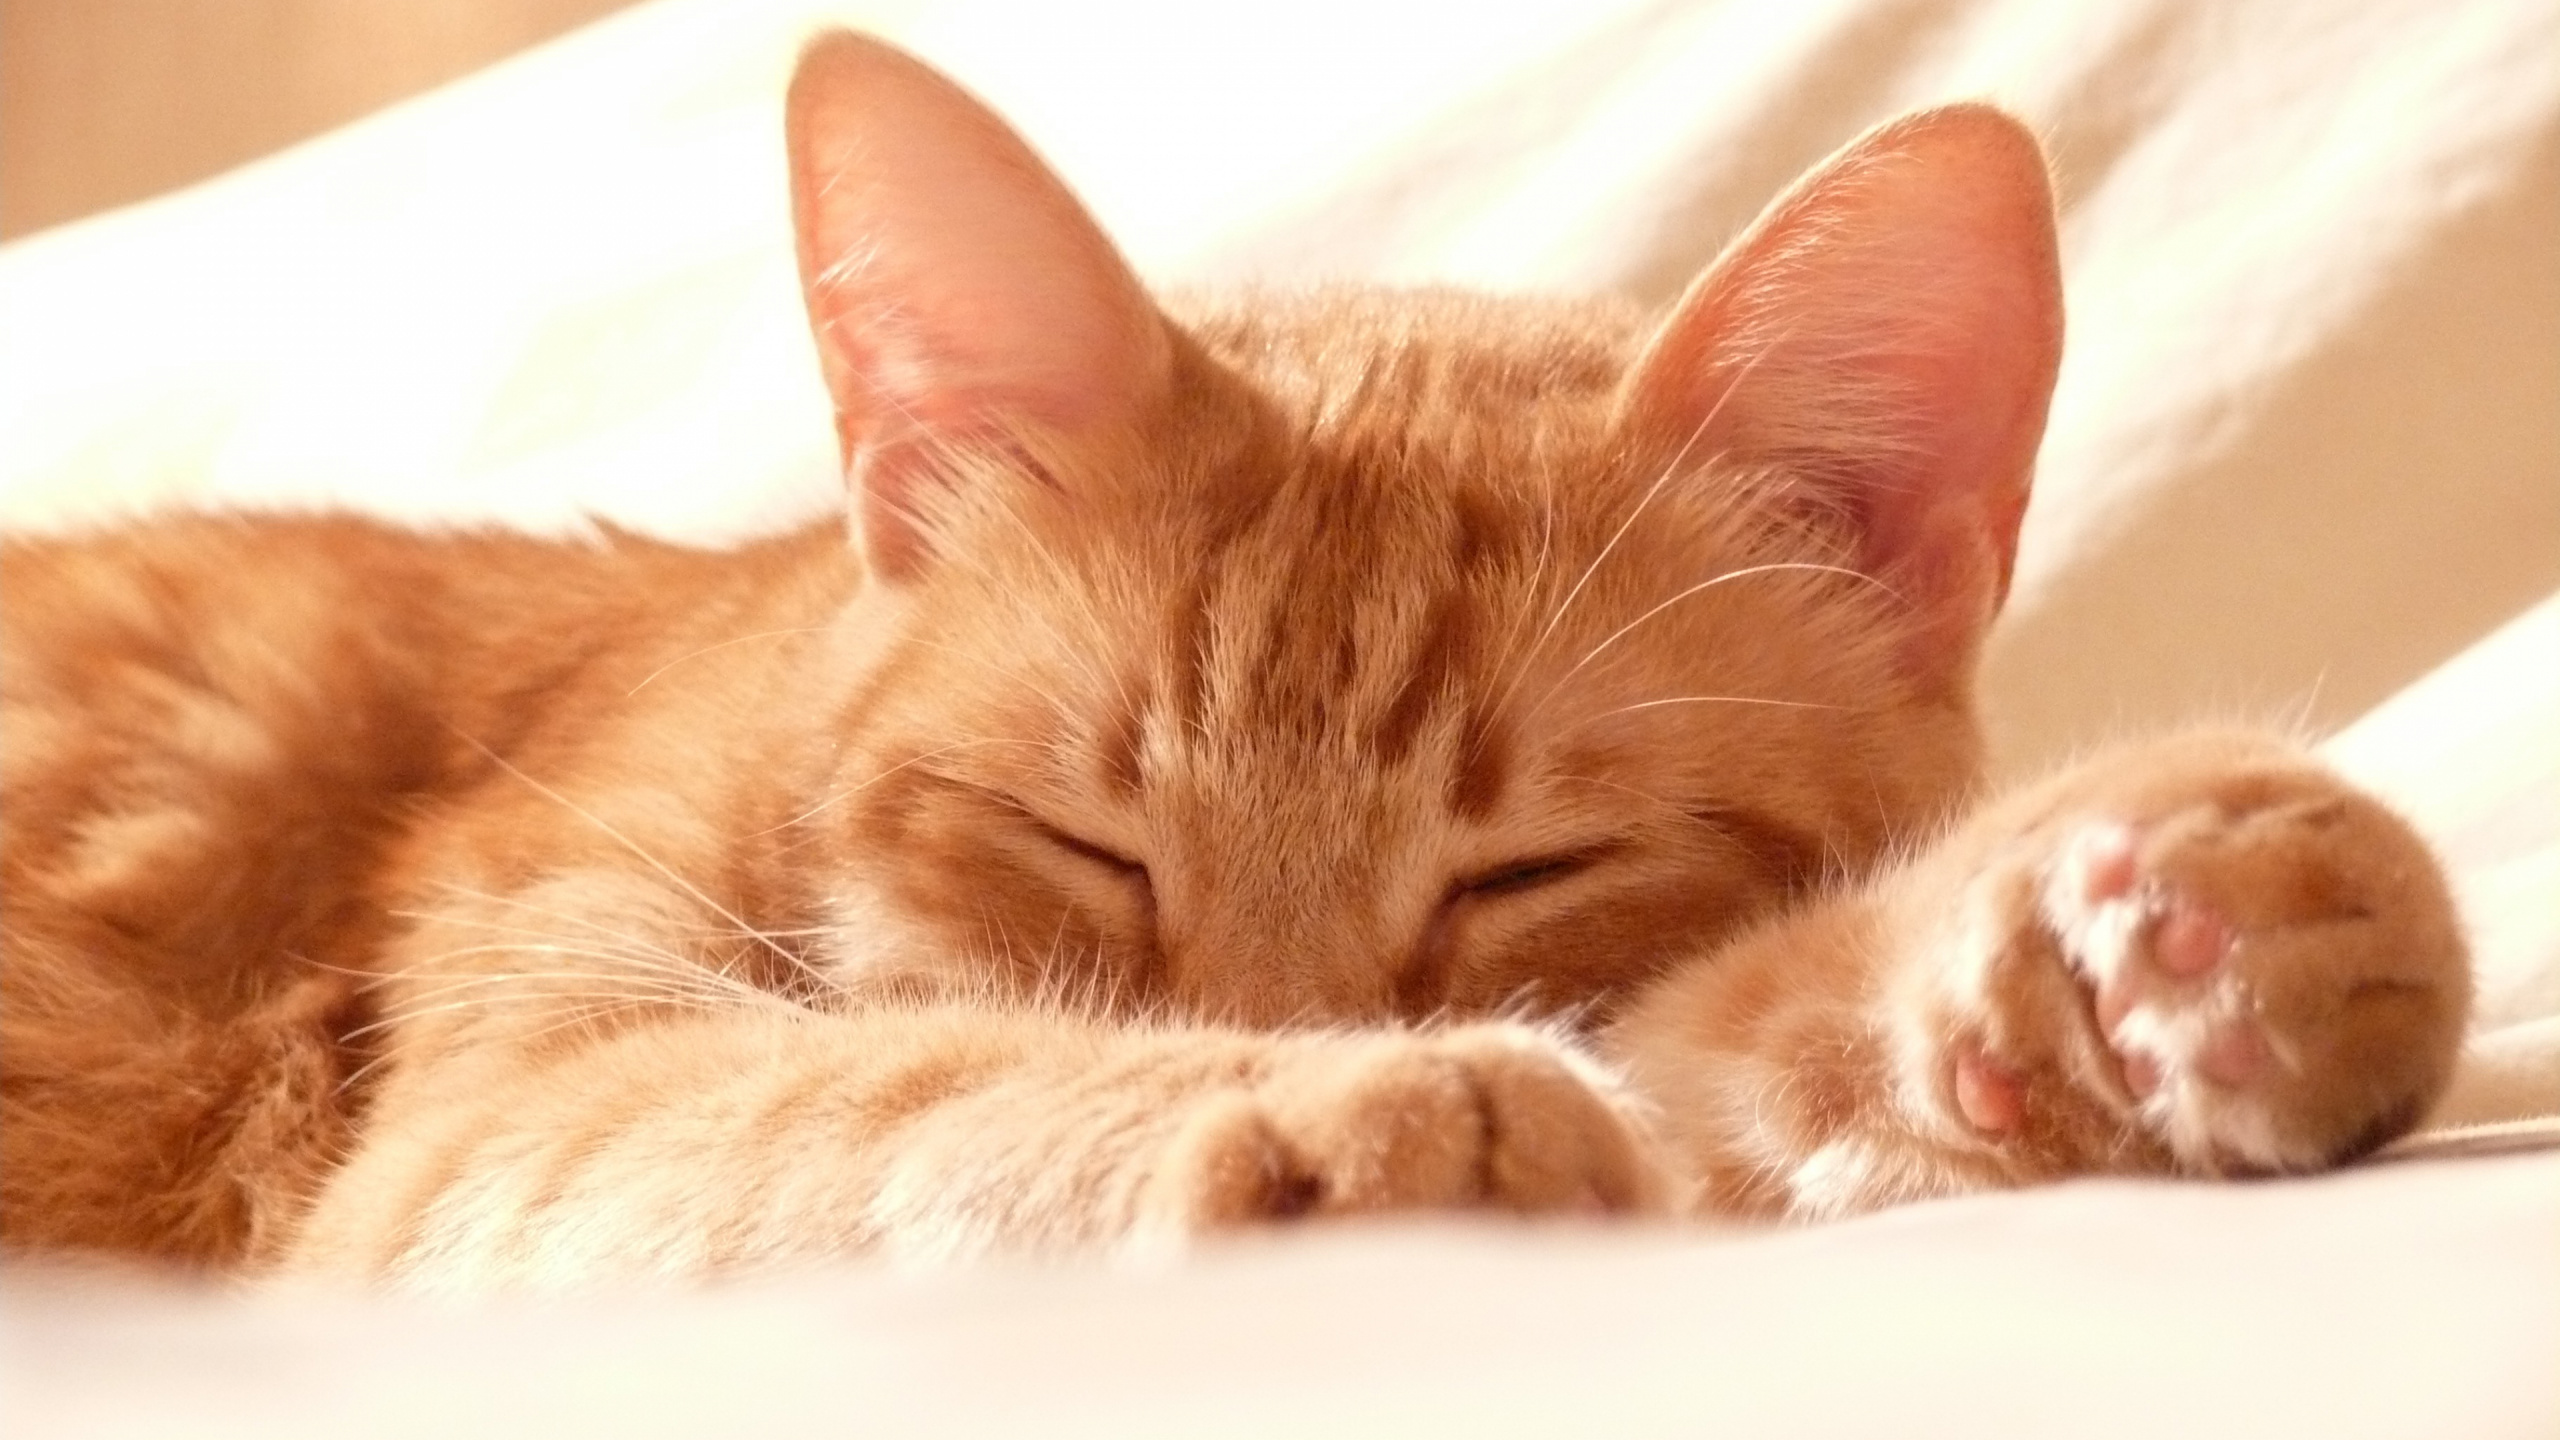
1143	826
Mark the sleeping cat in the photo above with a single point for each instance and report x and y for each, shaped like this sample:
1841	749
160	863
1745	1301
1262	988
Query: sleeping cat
1346	753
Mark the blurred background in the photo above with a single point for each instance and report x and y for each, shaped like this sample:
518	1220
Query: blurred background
108	101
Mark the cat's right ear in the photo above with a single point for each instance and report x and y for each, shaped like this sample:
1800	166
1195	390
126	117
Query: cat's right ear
958	292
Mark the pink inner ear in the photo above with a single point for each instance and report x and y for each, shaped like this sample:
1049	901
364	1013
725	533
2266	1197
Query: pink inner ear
1889	331
955	287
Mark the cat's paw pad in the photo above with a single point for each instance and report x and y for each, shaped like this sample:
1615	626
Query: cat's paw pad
2270	970
1496	1117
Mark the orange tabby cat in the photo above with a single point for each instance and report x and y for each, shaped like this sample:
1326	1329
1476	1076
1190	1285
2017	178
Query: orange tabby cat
1136	829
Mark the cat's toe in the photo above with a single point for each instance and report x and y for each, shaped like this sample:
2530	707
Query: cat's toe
2176	1019
2275	988
1482	1117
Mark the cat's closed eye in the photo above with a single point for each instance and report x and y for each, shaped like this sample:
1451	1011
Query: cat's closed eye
1519	876
1084	850
1098	854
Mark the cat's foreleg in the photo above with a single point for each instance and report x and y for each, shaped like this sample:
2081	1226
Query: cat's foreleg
2201	955
738	1141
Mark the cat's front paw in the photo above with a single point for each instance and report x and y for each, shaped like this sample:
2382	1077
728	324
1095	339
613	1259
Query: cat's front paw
1485	1117
2234	959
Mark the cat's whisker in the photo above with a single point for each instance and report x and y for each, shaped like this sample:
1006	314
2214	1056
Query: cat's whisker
589	1014
631	959
524	995
839	796
805	977
630	939
620	967
1575	593
590	1010
1514	662
411	1016
797	932
1528	1005
2298	725
700	983
1705	700
579	1016
1701	587
1056	982
721	645
355	972
642	957
638	851
425	974
606	942
1674	468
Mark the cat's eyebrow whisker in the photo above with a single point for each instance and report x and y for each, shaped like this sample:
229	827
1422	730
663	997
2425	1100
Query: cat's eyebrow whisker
1712	700
1671	470
721	645
841	794
1710	583
1514	662
1566	604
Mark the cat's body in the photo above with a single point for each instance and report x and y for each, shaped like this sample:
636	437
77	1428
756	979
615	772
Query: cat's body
1131	831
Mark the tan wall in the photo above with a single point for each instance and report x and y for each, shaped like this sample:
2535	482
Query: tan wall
107	101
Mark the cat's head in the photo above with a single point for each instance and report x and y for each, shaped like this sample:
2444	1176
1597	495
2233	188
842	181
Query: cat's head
1369	653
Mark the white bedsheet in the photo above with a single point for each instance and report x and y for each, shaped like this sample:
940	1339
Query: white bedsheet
2092	1312
2305	452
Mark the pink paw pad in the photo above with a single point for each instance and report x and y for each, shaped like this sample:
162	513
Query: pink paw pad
2166	978
2108	869
2234	1053
2189	940
2141	1073
2154	961
1991	1097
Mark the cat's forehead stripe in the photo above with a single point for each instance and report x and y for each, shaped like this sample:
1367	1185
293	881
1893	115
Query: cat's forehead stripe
1438	656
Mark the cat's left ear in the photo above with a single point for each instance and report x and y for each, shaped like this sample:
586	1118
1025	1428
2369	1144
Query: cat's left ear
1885	335
958	292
